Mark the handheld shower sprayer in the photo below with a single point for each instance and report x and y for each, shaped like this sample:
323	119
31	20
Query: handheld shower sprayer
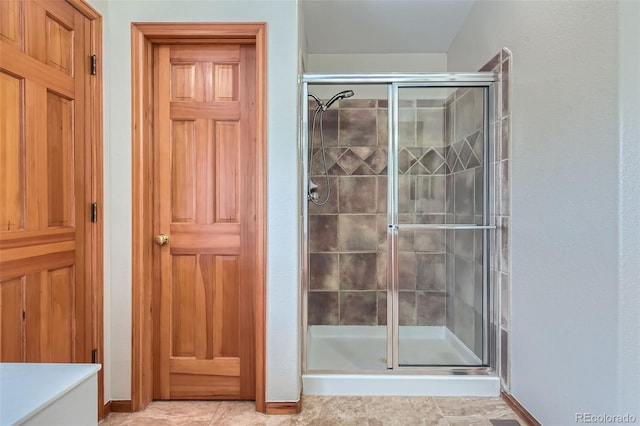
337	96
313	194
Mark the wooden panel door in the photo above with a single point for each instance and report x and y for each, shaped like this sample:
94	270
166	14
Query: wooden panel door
45	183
205	191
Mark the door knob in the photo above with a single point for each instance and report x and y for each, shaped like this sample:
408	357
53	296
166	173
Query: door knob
162	239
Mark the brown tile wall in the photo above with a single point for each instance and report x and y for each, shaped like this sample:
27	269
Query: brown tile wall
421	199
348	236
499	242
464	250
465	183
500	246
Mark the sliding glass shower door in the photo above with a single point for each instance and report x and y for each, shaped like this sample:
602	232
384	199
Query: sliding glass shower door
438	222
396	261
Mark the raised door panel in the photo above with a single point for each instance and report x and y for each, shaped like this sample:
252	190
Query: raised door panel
60	286
60	153
37	322
183	170
11	22
50	34
49	320
205	324
183	312
59	49
11	153
227	148
204	306
11	320
225	82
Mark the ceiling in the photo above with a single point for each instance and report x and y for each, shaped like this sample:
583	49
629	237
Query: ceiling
383	26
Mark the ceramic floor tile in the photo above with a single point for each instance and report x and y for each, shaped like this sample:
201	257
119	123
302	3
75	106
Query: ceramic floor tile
243	413
136	419
167	413
197	410
326	411
114	419
369	410
493	408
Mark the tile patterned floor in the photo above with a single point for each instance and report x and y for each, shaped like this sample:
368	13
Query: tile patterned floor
326	411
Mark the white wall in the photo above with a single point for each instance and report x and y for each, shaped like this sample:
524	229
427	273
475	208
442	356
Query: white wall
371	63
283	363
629	299
366	62
565	182
303	47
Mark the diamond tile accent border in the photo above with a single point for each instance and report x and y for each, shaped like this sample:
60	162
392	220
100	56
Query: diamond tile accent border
422	161
466	153
355	161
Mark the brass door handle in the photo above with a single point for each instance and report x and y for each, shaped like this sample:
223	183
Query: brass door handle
161	240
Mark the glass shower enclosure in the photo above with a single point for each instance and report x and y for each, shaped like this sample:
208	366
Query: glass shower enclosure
395	265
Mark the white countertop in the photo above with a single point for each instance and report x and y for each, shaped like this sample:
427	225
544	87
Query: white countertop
26	388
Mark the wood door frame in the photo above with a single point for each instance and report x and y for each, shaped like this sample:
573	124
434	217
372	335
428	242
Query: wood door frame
143	38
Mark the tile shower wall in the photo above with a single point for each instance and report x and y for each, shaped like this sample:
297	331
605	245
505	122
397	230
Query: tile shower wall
346	260
465	186
421	199
499	244
347	236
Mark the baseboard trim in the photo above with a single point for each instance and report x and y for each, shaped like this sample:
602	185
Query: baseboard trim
107	409
285	407
519	409
119	406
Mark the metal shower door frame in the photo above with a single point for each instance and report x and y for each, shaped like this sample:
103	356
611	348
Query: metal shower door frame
394	82
393	225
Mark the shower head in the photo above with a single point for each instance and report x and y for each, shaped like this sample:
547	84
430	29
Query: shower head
337	96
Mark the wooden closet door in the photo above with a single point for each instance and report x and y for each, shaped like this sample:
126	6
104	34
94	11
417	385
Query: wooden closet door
205	184
45	183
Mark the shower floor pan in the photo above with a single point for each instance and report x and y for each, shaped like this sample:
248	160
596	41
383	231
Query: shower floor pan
363	348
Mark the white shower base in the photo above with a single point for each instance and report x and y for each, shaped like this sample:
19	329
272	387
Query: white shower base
365	348
361	348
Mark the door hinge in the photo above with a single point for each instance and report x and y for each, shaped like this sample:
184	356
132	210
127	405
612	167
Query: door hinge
94	212
94	356
94	64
